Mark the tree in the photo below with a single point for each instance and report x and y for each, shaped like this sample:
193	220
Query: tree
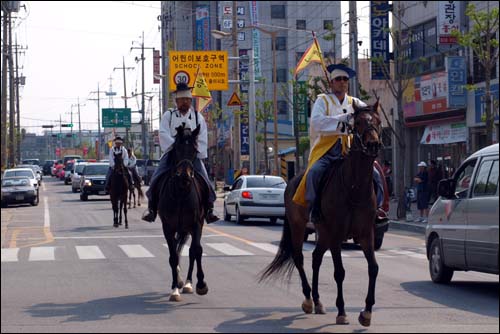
481	39
215	115
263	113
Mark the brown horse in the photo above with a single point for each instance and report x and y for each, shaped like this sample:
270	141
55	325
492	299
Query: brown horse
136	185
118	191
348	209
181	209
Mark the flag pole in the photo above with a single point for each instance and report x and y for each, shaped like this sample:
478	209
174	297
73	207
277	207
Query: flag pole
322	61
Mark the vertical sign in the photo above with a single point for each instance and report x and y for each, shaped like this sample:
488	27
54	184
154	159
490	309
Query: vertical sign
244	134
448	19
379	34
302	107
254	20
202	38
244	72
457	94
156	66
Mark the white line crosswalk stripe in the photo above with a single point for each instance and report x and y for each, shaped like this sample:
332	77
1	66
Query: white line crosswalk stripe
228	249
42	254
408	253
185	250
89	252
270	248
10	254
135	251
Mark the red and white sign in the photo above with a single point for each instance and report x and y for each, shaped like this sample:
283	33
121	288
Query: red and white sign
448	20
156	66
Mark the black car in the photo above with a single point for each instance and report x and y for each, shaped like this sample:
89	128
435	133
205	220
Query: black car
149	169
47	167
92	180
18	189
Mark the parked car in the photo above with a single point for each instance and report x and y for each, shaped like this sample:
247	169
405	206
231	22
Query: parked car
92	180
36	169
462	230
31	162
75	176
149	169
26	172
260	196
18	189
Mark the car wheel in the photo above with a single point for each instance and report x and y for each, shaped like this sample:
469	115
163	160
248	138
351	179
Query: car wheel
227	216
239	218
84	197
4	205
440	273
273	220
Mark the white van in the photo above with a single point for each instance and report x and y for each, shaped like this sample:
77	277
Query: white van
462	230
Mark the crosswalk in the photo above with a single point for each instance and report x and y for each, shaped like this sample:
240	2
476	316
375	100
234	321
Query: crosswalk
138	251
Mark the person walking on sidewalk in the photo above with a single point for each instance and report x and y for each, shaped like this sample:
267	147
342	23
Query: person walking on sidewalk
422	180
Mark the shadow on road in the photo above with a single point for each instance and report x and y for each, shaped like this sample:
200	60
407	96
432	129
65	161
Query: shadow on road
475	297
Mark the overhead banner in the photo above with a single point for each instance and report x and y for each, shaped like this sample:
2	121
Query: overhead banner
445	134
379	38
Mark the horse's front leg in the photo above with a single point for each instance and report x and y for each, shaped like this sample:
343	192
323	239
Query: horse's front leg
339	276
120	211
114	204
188	287
201	286
174	263
125	210
318	253
367	244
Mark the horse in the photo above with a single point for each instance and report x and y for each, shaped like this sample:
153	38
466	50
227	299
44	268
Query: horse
140	194
348	209
181	209
118	191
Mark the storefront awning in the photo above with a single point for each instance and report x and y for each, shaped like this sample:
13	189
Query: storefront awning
445	133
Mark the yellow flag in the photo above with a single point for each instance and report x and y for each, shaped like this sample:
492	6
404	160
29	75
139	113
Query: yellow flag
200	88
202	103
312	55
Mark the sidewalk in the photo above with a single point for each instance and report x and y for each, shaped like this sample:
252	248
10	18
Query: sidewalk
409	223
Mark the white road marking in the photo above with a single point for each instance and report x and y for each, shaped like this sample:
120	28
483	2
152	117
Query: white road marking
185	250
89	252
42	254
46	215
10	254
270	248
408	253
136	251
228	249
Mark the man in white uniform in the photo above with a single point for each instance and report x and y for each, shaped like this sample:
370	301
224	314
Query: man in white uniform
117	149
184	116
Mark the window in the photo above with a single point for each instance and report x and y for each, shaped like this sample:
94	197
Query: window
328	24
282	107
463	179
277	11
282	75
487	179
301	24
281	43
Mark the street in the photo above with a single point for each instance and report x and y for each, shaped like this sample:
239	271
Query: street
66	269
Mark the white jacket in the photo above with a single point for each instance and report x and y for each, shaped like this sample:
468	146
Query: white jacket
112	158
173	119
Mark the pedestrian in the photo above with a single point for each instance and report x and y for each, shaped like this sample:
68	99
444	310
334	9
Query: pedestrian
388	176
433	181
422	180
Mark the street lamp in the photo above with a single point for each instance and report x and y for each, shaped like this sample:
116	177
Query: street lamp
220	34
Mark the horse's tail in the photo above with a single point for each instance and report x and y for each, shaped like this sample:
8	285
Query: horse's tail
139	191
283	263
181	241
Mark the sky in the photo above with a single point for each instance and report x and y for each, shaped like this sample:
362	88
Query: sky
74	46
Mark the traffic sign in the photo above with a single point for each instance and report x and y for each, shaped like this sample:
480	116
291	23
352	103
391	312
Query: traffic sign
47	126
234	101
67	125
116	117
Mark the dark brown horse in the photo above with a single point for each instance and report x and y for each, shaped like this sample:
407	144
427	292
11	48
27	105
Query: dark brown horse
136	179
181	209
348	209
118	191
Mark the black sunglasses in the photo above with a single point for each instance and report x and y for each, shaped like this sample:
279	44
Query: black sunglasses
338	79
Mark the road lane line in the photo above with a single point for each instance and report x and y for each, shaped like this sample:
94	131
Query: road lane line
10	254
42	254
228	249
89	252
135	251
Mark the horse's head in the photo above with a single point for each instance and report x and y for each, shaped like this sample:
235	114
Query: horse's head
118	161
186	145
184	175
366	131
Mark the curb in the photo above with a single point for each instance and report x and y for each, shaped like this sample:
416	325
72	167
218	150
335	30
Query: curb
412	227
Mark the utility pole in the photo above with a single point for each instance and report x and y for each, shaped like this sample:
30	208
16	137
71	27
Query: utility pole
17	82
5	58
251	111
99	141
353	45
79	122
236	116
125	97
12	108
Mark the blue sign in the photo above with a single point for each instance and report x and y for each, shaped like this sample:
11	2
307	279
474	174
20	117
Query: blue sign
202	28
245	133
480	105
379	38
457	79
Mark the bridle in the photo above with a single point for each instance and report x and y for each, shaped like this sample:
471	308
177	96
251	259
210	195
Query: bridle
370	149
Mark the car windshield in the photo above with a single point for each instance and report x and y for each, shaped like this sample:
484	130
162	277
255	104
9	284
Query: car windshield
266	182
11	173
79	168
96	170
15	182
69	166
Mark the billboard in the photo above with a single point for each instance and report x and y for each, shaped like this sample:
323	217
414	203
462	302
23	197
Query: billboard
379	38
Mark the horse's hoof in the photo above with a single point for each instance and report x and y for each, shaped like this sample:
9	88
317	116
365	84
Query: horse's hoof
139	204
319	308
175	296
188	288
342	320
126	226
307	306
115	225
202	291
180	284
365	318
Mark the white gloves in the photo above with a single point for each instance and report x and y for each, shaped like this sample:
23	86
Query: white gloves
345	118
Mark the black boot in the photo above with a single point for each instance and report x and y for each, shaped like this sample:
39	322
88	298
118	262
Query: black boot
149	215
210	216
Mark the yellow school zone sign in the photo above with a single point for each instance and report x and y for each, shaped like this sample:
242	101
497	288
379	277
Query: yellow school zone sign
183	66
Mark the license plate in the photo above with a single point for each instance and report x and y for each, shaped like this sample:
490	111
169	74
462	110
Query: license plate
19	198
102	192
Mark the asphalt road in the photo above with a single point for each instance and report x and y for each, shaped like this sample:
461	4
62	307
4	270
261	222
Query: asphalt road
66	269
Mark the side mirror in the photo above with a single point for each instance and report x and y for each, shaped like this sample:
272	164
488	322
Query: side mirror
446	188
227	188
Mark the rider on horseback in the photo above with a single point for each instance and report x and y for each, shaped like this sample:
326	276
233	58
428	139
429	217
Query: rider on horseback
329	137
132	166
117	149
184	116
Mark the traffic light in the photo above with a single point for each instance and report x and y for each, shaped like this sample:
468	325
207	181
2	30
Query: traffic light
67	125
